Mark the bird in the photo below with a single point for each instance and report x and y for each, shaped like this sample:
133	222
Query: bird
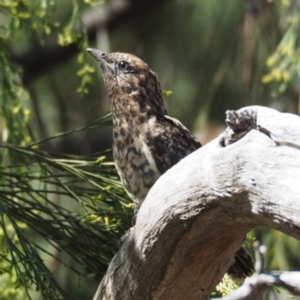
146	141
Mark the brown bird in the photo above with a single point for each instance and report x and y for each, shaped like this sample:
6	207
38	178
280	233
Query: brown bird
146	141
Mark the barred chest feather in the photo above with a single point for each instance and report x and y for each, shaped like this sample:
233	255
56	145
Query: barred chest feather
133	158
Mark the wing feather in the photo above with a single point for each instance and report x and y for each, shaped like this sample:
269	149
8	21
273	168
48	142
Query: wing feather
169	142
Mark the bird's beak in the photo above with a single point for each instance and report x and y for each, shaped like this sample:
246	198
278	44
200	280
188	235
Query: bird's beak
97	54
102	58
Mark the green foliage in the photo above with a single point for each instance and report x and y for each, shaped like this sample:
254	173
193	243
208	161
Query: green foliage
70	210
225	287
75	204
284	63
282	250
9	279
166	93
24	15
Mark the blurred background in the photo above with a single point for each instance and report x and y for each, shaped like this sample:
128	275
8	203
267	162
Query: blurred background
210	56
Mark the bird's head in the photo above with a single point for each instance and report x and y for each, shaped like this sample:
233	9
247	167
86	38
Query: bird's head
128	77
125	73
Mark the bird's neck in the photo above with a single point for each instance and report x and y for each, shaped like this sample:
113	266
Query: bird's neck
136	107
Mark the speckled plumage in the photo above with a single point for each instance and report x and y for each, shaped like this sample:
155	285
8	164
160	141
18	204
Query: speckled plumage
146	141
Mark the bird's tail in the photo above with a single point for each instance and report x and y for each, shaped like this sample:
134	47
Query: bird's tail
243	266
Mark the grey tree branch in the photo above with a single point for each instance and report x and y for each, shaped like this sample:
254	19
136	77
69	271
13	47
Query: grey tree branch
196	215
255	287
260	251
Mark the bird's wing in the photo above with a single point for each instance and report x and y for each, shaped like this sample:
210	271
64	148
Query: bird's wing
170	141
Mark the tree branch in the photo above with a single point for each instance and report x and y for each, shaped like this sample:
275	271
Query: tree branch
255	287
196	215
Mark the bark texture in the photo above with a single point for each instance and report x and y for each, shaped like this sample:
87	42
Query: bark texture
196	215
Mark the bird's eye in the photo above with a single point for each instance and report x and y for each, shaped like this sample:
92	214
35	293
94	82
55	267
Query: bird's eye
123	65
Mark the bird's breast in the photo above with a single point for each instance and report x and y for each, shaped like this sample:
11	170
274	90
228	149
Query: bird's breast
134	161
